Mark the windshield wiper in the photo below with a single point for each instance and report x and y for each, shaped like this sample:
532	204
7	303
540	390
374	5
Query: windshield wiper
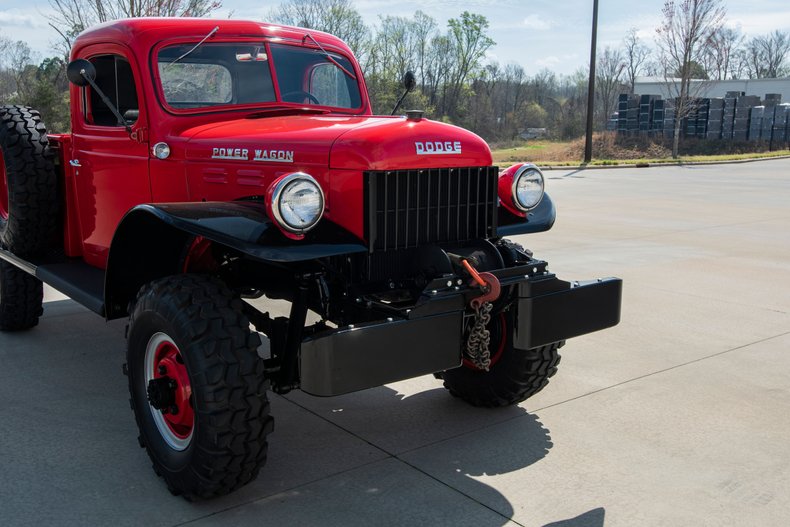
210	34
327	55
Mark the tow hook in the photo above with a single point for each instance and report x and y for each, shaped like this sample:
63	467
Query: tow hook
487	282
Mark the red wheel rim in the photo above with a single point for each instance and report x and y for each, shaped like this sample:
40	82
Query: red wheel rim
500	349
3	189
176	423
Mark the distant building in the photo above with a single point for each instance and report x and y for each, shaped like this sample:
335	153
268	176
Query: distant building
758	87
533	133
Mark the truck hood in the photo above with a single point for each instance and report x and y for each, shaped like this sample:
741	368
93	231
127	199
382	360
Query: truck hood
338	142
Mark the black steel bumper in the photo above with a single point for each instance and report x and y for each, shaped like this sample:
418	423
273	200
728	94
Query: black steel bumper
428	338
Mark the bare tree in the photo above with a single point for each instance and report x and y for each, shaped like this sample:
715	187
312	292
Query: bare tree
18	60
765	56
635	56
338	17
470	42
608	80
7	81
683	38
721	55
438	64
423	27
71	17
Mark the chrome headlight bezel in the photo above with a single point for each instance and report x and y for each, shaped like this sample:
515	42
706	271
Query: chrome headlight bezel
527	171
280	190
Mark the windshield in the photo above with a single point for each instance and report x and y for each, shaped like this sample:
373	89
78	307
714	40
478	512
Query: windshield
241	74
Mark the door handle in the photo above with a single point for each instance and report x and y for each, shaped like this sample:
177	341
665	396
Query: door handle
75	162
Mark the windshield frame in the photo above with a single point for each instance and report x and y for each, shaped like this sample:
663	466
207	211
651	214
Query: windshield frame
278	103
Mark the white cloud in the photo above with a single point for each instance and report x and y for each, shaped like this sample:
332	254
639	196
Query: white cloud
753	24
538	23
548	62
19	18
555	60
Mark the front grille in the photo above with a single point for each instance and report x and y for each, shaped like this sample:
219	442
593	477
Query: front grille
408	208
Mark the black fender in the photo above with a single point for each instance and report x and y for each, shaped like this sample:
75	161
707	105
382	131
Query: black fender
151	240
539	219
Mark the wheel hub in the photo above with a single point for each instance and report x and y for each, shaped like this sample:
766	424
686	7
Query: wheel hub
162	393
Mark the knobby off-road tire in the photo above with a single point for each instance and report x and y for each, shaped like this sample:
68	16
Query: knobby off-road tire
29	211
21	297
514	374
192	329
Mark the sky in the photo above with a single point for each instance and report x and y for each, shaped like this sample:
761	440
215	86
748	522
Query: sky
536	34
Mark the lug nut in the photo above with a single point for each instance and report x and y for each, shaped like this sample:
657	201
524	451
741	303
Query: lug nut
161	369
174	410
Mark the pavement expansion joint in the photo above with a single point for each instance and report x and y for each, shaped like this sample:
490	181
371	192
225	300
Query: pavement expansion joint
675	367
715	299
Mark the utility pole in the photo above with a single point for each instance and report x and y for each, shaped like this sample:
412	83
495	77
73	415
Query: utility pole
591	87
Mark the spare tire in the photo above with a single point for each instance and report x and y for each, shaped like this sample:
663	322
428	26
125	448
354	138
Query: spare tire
29	211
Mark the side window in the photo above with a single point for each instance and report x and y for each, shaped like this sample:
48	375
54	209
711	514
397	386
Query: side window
114	77
328	85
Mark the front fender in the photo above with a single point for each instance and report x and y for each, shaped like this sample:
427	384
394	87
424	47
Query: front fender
151	240
539	219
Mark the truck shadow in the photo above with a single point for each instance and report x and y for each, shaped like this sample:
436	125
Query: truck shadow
446	439
592	518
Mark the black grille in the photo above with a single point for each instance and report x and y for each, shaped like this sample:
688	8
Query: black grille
408	208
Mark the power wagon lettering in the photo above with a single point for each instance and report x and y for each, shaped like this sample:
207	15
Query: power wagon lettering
243	154
437	147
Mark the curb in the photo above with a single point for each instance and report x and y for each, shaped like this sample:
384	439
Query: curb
655	165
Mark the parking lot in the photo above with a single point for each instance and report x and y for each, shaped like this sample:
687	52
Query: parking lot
678	416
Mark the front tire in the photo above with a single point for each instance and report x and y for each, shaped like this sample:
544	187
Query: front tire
514	374
21	298
197	386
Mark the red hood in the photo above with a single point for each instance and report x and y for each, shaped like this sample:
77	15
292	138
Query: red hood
355	143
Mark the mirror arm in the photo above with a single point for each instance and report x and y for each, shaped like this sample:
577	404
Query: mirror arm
397	105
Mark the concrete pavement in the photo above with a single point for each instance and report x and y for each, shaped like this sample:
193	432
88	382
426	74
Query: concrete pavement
678	416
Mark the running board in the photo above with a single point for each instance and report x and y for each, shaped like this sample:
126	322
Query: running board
74	278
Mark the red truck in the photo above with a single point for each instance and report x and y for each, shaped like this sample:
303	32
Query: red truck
211	162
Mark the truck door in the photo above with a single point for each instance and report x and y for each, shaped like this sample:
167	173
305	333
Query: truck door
110	159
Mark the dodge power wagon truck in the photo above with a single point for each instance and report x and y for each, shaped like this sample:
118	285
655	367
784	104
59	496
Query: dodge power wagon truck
210	162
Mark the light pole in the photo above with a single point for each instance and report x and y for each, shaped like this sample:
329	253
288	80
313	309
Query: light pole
591	87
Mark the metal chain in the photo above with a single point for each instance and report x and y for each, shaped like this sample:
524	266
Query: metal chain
477	344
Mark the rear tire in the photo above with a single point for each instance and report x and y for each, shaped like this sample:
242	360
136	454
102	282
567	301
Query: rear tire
29	211
21	298
514	374
190	351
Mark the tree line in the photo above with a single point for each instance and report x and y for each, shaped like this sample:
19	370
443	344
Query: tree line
455	81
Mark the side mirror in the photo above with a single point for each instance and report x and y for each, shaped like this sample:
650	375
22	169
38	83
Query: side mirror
81	72
409	81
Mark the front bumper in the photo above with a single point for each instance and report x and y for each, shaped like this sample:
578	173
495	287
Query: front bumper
428	338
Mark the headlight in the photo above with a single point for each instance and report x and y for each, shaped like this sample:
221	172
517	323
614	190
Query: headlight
297	202
527	188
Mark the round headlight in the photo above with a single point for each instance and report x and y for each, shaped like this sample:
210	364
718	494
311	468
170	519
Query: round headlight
527	188
297	202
